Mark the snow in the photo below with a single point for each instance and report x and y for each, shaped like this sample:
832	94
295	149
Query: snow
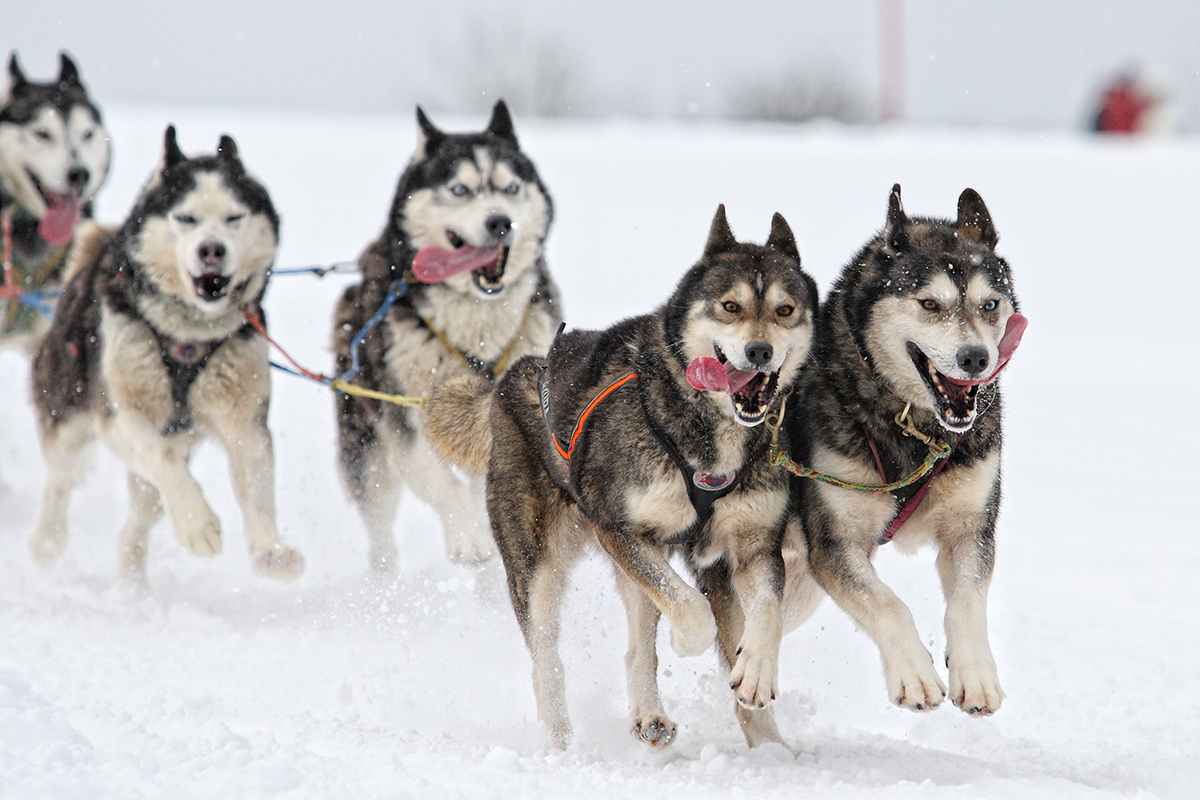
215	683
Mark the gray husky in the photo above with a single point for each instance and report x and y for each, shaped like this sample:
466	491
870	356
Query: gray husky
647	438
465	236
150	349
54	156
911	340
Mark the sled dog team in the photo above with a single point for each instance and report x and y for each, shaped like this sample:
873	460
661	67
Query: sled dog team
770	441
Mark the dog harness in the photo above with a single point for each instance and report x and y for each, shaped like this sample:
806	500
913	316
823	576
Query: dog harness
703	488
911	495
18	313
184	361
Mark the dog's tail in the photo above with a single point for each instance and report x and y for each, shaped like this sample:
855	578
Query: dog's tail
90	240
459	422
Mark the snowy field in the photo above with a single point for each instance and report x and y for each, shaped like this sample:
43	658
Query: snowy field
215	683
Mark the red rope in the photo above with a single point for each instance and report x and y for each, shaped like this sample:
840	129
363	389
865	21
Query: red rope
256	322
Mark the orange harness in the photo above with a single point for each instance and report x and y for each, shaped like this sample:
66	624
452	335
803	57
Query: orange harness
544	398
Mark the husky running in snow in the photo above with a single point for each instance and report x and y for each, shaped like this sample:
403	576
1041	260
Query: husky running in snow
910	342
467	230
647	438
149	350
54	157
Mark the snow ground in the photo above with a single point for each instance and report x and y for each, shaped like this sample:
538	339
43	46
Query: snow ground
215	683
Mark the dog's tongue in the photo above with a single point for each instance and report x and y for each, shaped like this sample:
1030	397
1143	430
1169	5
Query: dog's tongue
58	225
1008	345
435	264
710	375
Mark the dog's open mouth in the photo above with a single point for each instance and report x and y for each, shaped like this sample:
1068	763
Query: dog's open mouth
751	392
57	226
953	400
486	264
210	286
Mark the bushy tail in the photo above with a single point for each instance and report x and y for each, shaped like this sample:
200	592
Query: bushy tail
90	240
459	422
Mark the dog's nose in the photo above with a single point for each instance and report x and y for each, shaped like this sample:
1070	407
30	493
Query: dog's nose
211	253
77	178
498	225
973	360
759	354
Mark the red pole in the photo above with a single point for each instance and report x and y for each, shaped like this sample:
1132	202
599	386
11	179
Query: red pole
892	63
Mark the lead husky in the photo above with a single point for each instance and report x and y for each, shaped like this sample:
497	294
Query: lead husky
474	213
149	350
54	156
646	437
915	331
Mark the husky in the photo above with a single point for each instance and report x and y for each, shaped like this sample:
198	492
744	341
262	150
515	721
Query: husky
151	349
910	342
54	157
466	234
647	438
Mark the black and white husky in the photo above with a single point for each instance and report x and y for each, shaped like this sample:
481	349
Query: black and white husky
151	351
466	231
54	157
910	343
647	438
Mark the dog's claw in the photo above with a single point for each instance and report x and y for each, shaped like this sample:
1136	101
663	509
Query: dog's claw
281	563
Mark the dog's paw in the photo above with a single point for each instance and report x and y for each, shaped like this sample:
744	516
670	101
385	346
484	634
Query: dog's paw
200	532
470	547
974	686
279	562
754	679
693	628
653	729
913	683
47	545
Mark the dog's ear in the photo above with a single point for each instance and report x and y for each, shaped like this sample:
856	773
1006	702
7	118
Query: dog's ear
720	237
68	73
171	155
227	148
16	78
974	221
782	239
428	136
502	125
895	234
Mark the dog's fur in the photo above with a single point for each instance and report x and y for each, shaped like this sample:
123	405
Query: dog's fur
150	351
454	191
52	145
623	487
923	292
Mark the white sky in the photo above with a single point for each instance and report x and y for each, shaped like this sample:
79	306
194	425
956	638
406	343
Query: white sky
1029	63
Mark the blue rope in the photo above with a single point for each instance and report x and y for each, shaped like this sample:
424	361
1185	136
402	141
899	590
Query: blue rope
320	272
395	292
40	301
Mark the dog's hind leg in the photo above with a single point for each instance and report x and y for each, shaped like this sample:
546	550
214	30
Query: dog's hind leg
63	445
369	456
145	509
648	721
458	500
757	724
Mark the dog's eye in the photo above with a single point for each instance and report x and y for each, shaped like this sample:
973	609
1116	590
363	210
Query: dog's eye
232	218
459	190
87	135
784	310
990	305
512	188
930	305
731	306
185	219
42	134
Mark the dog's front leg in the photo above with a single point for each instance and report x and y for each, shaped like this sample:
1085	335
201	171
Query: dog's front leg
692	625
758	584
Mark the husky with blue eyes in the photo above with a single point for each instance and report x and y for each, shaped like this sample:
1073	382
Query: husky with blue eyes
466	238
151	350
54	157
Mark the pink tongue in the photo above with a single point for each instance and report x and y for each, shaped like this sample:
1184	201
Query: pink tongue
1008	345
58	225
710	375
435	264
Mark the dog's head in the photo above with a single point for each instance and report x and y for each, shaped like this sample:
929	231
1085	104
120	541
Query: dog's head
475	206
203	229
942	320
54	152
741	320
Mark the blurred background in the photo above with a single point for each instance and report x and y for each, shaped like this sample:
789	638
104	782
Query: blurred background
1043	64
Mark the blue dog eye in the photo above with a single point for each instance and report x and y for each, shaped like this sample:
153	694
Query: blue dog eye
990	305
185	219
512	188
459	190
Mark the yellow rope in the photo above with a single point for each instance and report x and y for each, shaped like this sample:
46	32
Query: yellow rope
340	385
502	362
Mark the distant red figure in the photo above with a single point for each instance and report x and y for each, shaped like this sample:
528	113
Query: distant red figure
1123	108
